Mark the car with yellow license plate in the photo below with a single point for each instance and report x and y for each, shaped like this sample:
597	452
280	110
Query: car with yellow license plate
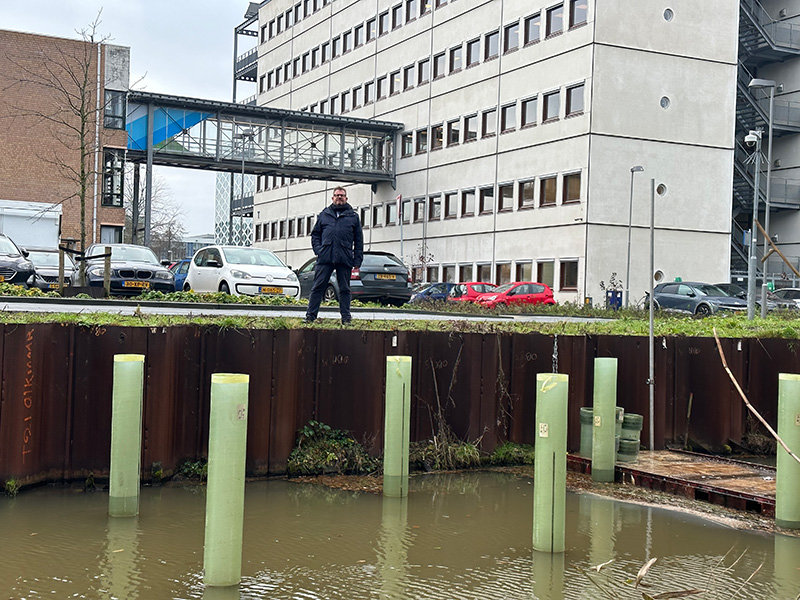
134	270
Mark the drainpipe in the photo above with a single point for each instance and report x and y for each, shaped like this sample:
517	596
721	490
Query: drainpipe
96	150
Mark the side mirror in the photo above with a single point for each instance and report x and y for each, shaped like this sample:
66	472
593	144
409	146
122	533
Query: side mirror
213	263
25	253
692	294
166	263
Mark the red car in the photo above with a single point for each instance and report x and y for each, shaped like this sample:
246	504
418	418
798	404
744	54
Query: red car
469	291
519	292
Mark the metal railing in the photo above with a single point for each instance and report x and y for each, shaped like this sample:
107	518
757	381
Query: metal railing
781	33
783	193
785	113
246	60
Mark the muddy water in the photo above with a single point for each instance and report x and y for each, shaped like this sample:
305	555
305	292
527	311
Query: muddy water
456	536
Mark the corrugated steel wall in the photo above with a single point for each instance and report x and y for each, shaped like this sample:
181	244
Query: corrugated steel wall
55	399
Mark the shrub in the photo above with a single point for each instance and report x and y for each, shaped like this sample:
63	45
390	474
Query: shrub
321	449
510	453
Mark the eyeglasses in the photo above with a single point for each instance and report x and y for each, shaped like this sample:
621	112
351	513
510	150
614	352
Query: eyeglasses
340	195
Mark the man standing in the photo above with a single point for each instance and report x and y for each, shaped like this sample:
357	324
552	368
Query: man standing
339	245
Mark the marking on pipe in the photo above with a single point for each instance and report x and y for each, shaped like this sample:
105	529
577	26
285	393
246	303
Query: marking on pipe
548	384
598	421
241	412
27	396
544	430
797	420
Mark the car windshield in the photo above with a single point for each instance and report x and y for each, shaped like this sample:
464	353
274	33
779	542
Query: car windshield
8	247
503	288
483	288
709	290
136	254
373	260
41	258
252	256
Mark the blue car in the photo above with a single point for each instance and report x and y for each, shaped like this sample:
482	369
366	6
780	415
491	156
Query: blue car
433	291
180	269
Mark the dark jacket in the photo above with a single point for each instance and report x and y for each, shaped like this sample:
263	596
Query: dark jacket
337	238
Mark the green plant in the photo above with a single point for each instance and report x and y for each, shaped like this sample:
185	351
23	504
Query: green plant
88	484
11	487
156	472
323	449
510	453
194	469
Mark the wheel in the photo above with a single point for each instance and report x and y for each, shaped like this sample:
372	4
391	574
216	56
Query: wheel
703	310
187	287
223	287
330	293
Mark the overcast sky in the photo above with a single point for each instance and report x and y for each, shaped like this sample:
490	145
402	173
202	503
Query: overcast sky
180	47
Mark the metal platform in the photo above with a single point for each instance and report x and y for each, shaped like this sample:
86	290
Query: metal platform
731	483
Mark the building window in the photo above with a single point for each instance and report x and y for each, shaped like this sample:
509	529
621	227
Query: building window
434	208
383	23
326	54
300	225
526	193
408	77
489	122
437	137
405	211
505	197
258	232
113	166
315	57
262	85
358	36
455	59
309	223
524	271
467	203
449	273
571	190
555	21
308	8
270	77
440	3
432	273
345	101
486	201
291	228
323	107
450	205
391	214
273	228
394	83
423	71
547	191
281	230
439	66
382	87
347	41
533	29
511	37
397	16
357	97
296	67
508	117
422	141
574	100
408	144
369	92
453	132
465	273
419	210
470	128
551	106
411	10
569	275
491	45
372	30
473	52
577	12
110	234
279	24
377	215
502	273
336	47
114	110
545	272
364	214
529	112
485	273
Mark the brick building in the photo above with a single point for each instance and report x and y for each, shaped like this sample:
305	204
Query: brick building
49	86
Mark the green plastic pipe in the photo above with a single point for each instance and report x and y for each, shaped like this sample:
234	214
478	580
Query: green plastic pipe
392	548
604	418
550	462
601	528
396	426
786	571
227	441
787	475
126	435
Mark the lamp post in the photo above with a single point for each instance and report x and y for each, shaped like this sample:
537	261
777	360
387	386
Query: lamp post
762	84
659	189
635	169
753	139
244	135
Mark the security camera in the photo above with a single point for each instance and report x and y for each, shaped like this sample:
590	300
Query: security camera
752	138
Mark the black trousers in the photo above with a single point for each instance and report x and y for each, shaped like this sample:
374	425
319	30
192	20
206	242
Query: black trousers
322	273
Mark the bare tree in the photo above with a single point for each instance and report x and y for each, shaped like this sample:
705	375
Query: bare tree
63	79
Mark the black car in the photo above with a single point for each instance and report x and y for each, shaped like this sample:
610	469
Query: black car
45	262
134	269
695	298
382	278
15	268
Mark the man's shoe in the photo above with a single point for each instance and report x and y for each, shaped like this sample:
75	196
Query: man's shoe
309	319
347	320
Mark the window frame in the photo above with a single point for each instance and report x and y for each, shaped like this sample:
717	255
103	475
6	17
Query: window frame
470	136
565	188
489	123
466	194
522	185
423	71
510	27
556	10
563	284
502	205
532	20
491	45
486	197
569	111
546	99
544	182
436	72
473	51
504	110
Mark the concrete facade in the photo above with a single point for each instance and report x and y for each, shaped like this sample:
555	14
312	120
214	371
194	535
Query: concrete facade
539	127
40	156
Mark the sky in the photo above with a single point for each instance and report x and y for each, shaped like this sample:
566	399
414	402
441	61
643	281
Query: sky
178	47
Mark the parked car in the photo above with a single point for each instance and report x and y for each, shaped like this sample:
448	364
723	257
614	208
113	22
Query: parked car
519	292
180	269
240	270
469	291
774	302
382	278
433	291
15	268
695	298
789	294
134	269
45	263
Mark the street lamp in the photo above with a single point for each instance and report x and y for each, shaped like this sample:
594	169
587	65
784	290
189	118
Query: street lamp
762	84
753	139
246	134
634	169
661	190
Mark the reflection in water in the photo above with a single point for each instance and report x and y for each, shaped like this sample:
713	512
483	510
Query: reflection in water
121	569
392	552
548	575
787	567
230	592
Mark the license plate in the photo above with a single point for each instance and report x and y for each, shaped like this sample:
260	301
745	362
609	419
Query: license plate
385	276
2	278
136	284
53	286
266	289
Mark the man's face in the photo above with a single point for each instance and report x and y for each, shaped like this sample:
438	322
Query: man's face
339	197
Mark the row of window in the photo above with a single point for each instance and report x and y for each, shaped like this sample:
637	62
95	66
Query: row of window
468	54
540	191
485	124
522	271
